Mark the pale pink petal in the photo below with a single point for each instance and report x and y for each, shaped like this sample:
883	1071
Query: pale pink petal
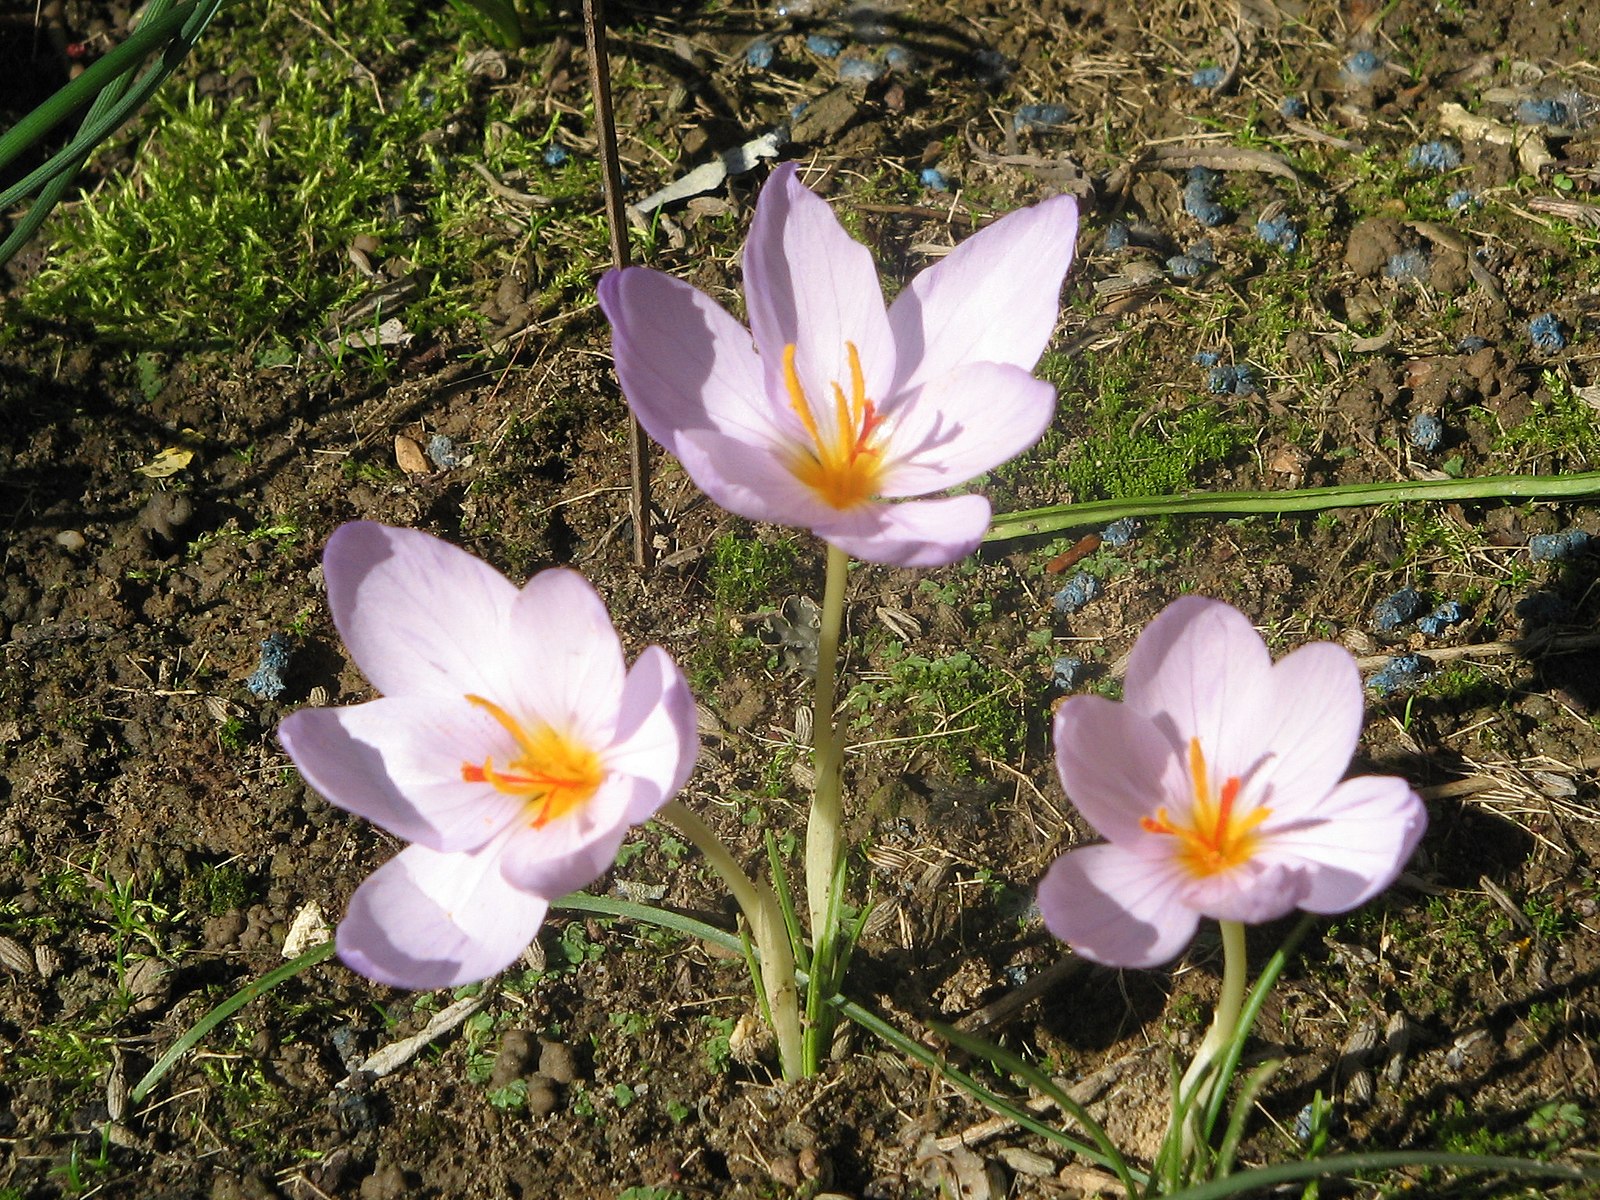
1255	892
1356	843
910	533
574	850
657	735
418	615
807	283
684	362
961	424
1116	907
753	482
994	298
1197	671
1114	765
429	920
563	658
397	762
1308	718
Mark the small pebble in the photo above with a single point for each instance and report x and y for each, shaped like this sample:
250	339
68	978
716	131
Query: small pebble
759	54
71	540
1362	68
1080	589
862	70
1116	236
1197	197
1546	333
1401	673
934	178
266	681
823	45
1460	199
1435	156
1119	533
1396	609
1208	77
1066	671
1280	231
1206	358
556	155
1426	432
1557	547
1441	618
1230	380
1292	107
1544	112
1036	117
1408	266
443	452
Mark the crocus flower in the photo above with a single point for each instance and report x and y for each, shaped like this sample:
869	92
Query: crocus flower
830	407
1216	783
511	746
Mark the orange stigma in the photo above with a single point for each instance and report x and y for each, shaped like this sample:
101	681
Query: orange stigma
1215	838
842	465
552	772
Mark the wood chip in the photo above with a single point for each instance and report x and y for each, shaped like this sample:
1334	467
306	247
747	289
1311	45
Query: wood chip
396	1054
1532	153
14	957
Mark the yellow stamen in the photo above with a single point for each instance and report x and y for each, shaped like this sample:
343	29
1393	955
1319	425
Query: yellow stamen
553	773
1215	838
842	465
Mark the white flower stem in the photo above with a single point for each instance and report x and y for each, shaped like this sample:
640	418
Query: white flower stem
767	930
1200	1080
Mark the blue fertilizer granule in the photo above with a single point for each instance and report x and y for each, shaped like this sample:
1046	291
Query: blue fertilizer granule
991	67
1080	589
1396	609
1119	533
1435	156
1544	608
1544	112
1546	334
1186	266
1292	107
1280	231
1408	266
266	681
1460	199
823	45
1208	77
898	58
759	54
1557	547
1066	671
1116	236
1033	118
1400	674
1426	432
1197	201
555	155
1230	380
934	178
1440	619
1362	68
443	452
1471	344
1206	358
863	70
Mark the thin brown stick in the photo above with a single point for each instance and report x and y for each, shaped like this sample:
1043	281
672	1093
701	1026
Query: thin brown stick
594	32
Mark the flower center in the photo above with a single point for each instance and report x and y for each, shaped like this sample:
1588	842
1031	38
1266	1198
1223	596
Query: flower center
842	465
1215	838
552	773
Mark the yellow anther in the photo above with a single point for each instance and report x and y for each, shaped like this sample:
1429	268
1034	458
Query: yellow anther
553	773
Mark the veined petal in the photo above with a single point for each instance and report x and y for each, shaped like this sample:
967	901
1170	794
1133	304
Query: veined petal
961	424
1198	671
429	920
807	283
657	735
909	533
574	850
563	657
1115	907
994	298
1360	838
1308	718
397	762
1113	763
684	362
752	481
418	615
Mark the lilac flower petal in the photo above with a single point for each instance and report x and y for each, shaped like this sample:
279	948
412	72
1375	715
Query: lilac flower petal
1115	907
962	424
657	735
1308	717
574	850
684	362
1256	892
1360	838
397	762
564	658
994	298
1196	670
754	482
1114	764
809	283
418	615
429	920
912	533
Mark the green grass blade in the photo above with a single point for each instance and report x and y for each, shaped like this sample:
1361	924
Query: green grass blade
1260	1179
